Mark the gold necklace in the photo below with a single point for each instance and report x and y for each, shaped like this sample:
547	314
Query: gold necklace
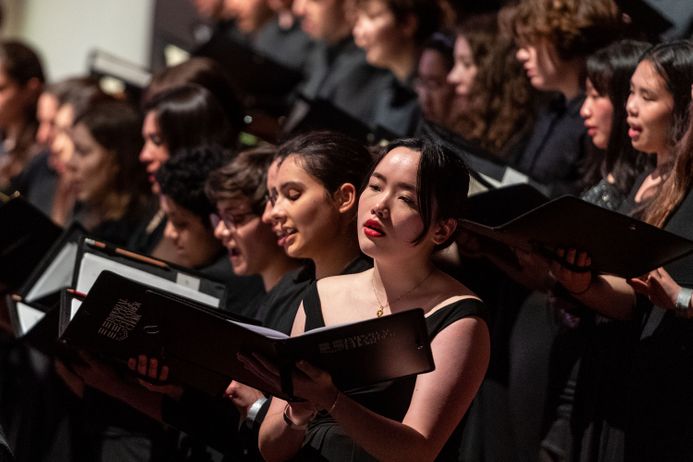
381	307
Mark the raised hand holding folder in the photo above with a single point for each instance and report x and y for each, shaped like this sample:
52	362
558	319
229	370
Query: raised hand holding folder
616	243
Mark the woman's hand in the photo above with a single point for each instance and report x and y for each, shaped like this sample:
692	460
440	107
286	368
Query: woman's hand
242	396
97	374
534	270
310	383
149	369
571	268
659	287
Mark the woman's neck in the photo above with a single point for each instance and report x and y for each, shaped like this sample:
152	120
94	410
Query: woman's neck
397	278
280	265
663	160
572	84
333	261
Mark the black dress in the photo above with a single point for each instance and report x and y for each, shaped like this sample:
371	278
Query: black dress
325	440
660	401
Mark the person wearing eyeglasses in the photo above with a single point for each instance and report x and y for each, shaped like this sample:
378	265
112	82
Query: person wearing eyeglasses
182	198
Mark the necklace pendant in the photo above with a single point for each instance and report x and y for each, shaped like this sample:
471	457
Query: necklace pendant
379	311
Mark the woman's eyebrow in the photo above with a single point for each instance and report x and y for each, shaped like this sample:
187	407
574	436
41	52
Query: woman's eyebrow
399	185
290	184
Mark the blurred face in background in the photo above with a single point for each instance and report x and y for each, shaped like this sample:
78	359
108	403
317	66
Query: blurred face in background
154	151
92	167
46	110
208	9
15	99
378	33
435	94
324	20
250	15
192	237
464	70
597	111
62	146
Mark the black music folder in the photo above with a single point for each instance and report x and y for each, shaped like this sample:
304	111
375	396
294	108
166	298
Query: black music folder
27	234
121	318
320	114
617	244
261	81
33	308
486	167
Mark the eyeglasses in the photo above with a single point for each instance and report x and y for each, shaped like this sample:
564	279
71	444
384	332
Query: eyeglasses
231	220
430	84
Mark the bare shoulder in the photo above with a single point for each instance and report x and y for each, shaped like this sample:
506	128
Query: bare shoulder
344	283
451	291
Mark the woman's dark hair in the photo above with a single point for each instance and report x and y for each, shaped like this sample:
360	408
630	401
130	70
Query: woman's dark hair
442	182
245	177
206	73
444	45
79	92
673	61
189	115
115	126
427	13
182	178
20	62
22	66
677	185
609	70
330	157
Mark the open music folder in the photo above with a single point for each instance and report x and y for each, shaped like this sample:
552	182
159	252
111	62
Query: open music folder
616	243
121	318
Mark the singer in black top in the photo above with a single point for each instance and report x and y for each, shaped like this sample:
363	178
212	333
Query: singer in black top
405	213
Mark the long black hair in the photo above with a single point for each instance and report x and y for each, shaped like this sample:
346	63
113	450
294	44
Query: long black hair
609	71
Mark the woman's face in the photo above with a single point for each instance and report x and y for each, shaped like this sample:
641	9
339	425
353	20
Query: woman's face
14	100
542	65
464	71
435	93
193	239
388	212
649	108
251	244
249	15
92	167
62	147
377	32
304	215
323	20
46	110
154	151
597	111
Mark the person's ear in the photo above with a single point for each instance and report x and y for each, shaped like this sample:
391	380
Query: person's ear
443	230
34	86
345	197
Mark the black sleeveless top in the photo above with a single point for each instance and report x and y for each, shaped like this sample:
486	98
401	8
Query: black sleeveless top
326	441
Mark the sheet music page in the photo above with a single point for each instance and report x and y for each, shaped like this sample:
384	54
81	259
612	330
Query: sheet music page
57	275
92	265
28	316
